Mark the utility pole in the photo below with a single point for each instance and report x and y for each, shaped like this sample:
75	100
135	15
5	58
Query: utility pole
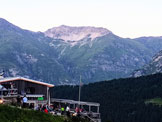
79	89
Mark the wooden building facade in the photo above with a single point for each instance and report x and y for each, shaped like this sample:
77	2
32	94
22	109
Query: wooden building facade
24	86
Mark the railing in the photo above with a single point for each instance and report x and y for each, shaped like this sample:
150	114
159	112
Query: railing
8	92
94	117
36	102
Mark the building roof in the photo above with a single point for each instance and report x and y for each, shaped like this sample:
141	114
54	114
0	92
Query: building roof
74	102
25	79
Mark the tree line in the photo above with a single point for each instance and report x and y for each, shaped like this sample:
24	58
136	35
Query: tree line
121	100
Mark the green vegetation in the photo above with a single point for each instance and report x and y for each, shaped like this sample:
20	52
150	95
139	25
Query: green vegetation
155	101
121	100
13	114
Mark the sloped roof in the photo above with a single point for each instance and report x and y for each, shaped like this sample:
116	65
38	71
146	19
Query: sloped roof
25	79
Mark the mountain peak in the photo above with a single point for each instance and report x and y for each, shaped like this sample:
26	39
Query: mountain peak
4	24
3	21
70	33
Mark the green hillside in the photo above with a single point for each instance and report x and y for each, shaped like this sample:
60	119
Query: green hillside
106	57
121	100
13	114
155	101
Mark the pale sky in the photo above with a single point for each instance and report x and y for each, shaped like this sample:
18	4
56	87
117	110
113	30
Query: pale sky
125	18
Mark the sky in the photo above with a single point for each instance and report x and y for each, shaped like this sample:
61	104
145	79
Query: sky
125	18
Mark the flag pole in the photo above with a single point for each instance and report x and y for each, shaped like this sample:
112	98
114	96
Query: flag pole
79	89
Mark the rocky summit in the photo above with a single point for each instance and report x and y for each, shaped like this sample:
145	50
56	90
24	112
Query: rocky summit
71	34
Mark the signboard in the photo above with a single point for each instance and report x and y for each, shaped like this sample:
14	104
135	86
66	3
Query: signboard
40	98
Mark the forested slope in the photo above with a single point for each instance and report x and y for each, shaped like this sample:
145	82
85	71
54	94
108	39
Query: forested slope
122	100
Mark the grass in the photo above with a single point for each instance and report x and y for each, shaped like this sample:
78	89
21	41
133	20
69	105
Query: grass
14	114
155	101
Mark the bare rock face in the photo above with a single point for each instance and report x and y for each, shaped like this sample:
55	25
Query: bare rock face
155	66
68	33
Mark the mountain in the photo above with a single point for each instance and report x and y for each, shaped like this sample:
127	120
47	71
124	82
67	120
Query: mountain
74	34
26	53
104	57
155	66
152	43
122	100
61	54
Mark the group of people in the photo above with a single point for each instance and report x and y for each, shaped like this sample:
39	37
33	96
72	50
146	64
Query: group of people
77	111
44	108
23	102
54	109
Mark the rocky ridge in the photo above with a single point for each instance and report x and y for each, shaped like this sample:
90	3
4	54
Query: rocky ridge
155	66
74	34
